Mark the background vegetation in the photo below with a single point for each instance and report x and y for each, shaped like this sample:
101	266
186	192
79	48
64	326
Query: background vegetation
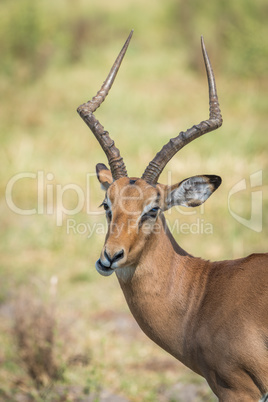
65	332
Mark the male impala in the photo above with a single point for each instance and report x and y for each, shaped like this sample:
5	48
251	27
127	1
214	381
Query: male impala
212	316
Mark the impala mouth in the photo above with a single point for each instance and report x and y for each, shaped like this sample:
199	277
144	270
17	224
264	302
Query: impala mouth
104	271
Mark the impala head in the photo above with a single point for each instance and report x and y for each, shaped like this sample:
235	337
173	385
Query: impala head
134	206
133	212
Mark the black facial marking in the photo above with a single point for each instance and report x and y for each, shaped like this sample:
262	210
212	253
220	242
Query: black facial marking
132	181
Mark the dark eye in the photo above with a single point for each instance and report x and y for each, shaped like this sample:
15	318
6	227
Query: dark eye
150	214
105	206
107	209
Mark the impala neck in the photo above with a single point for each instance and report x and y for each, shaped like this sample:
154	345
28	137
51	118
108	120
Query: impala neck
163	292
157	258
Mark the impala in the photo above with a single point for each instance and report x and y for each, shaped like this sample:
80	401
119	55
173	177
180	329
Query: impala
212	316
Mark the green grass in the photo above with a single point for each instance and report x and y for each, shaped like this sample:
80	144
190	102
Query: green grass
155	96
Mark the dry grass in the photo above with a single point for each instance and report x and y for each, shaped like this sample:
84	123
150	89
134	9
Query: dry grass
34	332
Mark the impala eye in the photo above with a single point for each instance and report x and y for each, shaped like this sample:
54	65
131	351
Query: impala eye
153	212
105	206
150	214
107	209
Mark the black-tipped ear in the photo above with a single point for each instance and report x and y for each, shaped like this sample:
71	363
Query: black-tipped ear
215	181
192	192
104	175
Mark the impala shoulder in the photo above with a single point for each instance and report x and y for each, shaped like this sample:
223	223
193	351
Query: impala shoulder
258	257
254	261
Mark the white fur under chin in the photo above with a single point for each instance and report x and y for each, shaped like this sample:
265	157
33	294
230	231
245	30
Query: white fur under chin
125	274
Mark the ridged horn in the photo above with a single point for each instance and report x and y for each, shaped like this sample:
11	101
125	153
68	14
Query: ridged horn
156	166
86	111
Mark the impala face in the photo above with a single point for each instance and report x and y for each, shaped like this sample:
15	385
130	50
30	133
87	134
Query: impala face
133	208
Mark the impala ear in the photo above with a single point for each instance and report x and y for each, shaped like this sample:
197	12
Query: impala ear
191	192
104	176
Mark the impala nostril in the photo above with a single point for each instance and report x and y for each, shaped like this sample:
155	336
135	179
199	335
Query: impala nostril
118	256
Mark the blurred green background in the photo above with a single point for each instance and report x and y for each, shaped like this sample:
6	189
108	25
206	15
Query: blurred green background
65	332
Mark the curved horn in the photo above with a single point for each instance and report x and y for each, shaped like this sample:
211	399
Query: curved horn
86	111
156	166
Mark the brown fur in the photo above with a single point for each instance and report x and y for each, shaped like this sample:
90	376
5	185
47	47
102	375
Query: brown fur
212	316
